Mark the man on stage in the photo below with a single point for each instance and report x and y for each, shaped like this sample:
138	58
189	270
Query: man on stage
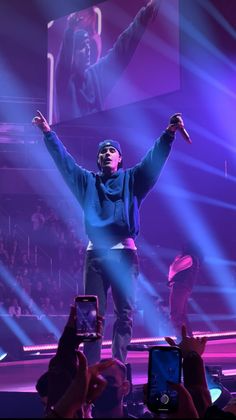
111	199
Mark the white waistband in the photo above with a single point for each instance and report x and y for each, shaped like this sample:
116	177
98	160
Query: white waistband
127	243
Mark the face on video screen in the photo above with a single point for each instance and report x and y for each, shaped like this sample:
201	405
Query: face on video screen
111	55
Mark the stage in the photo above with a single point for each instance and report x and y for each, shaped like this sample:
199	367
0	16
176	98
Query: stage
18	378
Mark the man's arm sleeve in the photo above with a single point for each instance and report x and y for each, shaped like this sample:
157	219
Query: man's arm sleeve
148	170
64	58
74	175
115	61
65	357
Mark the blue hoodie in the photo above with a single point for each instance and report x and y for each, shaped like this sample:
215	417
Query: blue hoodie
110	205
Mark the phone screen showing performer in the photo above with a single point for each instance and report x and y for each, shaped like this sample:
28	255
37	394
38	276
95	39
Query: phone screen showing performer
86	317
164	367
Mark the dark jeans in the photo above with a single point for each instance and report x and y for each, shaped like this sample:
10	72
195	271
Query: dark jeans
179	296
117	269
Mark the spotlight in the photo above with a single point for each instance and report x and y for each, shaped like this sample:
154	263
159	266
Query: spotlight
2	356
219	394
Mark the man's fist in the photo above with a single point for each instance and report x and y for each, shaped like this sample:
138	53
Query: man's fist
74	21
177	120
177	123
154	6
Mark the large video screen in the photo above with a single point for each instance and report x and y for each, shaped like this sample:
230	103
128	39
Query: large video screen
109	55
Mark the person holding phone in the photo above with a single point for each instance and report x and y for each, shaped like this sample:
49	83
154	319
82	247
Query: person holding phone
110	200
62	368
164	367
81	88
194	375
189	400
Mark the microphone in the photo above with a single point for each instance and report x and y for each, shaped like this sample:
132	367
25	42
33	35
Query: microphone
185	135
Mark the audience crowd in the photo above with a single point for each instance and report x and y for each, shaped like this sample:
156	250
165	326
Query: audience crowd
43	255
72	389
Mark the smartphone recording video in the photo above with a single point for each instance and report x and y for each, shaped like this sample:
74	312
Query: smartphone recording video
164	366
86	317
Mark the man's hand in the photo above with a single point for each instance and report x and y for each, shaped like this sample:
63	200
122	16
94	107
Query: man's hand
186	408
189	344
71	323
97	383
41	122
153	7
177	119
86	386
176	122
74	20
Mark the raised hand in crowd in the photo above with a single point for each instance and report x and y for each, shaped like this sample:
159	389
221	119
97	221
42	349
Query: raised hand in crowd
63	366
189	344
85	388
